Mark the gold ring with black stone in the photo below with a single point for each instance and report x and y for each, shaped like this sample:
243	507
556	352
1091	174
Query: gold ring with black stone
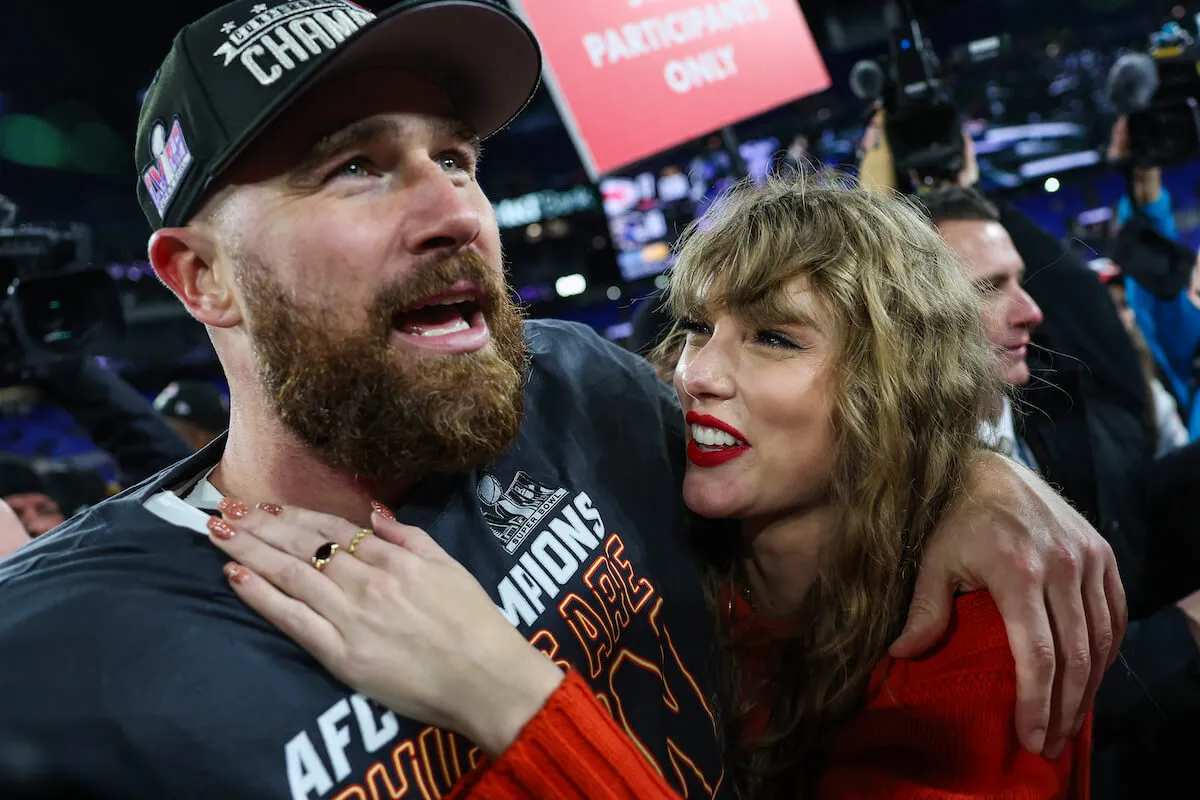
358	537
324	555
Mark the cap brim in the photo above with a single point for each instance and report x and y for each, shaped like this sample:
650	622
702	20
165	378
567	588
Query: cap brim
483	56
486	60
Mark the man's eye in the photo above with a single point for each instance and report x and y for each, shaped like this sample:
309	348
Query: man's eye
358	167
455	161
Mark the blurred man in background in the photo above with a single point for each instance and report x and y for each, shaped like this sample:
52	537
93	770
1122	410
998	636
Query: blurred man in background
28	495
1081	330
196	410
1074	439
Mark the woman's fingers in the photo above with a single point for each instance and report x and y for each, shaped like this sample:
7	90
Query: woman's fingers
295	618
301	533
294	576
410	538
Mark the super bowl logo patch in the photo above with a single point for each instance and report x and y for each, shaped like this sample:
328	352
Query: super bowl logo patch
172	160
513	513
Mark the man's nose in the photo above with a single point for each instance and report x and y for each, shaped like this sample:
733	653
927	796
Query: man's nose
440	214
1026	312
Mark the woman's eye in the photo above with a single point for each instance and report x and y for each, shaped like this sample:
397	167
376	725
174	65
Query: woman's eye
694	326
775	339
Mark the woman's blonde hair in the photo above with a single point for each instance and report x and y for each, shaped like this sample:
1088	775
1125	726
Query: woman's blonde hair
914	377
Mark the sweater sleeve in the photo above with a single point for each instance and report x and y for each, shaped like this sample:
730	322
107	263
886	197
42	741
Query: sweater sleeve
570	750
944	726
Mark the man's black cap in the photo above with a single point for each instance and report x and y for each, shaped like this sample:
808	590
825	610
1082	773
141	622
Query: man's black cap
230	73
197	402
17	477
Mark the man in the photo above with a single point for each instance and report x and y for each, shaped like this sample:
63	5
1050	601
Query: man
195	410
309	170
29	497
971	226
1080	325
1064	438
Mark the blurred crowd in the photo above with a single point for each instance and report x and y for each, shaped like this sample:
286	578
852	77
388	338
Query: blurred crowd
140	436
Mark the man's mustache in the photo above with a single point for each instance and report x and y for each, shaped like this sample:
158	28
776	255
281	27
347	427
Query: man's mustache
436	278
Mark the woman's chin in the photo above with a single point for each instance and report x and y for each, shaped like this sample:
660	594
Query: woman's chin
707	500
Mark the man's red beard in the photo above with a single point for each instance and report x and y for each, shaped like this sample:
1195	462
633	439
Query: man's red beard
373	410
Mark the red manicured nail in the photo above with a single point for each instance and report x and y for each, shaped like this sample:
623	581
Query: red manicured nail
382	510
271	509
220	528
236	574
232	508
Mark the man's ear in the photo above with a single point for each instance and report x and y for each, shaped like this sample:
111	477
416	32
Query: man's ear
185	260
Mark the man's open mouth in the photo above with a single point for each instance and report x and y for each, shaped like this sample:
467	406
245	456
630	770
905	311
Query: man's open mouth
441	316
448	323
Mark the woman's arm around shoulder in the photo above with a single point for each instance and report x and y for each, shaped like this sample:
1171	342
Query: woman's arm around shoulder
944	726
570	750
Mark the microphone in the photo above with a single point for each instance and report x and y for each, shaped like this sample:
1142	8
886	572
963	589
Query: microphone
1132	82
867	80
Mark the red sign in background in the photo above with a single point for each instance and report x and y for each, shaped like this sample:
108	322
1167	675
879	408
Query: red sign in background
635	77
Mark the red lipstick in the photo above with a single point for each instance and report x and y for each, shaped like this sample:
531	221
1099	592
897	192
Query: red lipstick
694	418
702	457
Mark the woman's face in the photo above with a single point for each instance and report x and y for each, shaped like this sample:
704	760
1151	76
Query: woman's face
759	405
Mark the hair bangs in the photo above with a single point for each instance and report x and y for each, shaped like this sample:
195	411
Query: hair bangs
744	255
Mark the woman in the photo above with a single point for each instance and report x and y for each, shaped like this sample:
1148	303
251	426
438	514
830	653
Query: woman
833	378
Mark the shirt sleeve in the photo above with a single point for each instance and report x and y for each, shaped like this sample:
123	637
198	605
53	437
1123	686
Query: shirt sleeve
571	750
944	727
1157	214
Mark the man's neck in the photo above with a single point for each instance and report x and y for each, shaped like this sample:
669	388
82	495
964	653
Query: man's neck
264	462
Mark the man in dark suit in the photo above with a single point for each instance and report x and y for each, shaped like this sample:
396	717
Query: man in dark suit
1080	428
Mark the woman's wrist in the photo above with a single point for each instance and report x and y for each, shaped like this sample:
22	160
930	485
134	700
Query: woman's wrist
520	689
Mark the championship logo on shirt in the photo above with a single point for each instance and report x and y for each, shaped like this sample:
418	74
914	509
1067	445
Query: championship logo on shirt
280	38
513	513
172	160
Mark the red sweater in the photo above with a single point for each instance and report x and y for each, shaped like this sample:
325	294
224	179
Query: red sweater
938	727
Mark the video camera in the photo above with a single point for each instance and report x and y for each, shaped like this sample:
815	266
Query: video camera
924	126
1159	91
56	306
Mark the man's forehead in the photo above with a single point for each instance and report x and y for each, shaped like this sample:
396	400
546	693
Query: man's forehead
982	245
380	102
384	127
27	497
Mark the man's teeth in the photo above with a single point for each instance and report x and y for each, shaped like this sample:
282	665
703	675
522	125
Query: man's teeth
450	301
454	327
712	437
